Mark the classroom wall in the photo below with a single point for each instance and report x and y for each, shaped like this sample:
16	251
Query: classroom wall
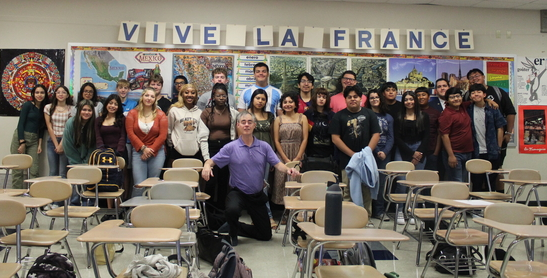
55	23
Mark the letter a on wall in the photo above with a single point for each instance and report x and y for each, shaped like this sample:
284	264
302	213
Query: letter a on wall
288	36
155	32
129	31
389	39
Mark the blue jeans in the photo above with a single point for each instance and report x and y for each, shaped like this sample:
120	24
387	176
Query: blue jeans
378	204
57	162
459	173
146	169
420	166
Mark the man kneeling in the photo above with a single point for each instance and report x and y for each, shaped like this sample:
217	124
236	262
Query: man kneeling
247	158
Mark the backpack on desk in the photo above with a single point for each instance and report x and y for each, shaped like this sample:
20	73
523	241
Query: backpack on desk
112	177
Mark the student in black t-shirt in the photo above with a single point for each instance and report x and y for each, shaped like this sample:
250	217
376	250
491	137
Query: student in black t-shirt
353	129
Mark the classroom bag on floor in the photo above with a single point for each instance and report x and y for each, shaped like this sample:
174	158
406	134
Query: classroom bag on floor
112	177
52	265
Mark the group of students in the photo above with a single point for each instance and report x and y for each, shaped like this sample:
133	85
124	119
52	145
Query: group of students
151	133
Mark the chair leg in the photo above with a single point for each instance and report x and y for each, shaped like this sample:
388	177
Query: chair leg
396	216
457	263
116	206
429	260
71	256
51	223
420	240
6	254
384	215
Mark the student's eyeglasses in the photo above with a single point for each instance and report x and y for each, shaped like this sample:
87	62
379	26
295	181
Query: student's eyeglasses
306	81
348	79
179	83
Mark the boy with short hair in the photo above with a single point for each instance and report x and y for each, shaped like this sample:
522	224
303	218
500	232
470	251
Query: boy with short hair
455	129
156	82
122	89
487	127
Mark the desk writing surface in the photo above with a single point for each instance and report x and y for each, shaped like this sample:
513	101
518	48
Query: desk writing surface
13	192
115	234
298	185
149	182
140	200
8	166
394	172
525	181
98	166
57	178
318	233
294	203
526	231
28	202
458	203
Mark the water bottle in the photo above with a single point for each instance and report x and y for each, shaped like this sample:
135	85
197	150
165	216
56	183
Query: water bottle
333	210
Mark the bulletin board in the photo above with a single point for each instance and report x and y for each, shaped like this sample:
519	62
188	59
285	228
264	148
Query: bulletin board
104	65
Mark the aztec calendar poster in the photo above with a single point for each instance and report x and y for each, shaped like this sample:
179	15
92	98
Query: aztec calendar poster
22	70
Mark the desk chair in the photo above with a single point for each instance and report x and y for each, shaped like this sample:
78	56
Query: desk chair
352	217
459	238
479	167
515	214
165	216
56	191
318	176
23	162
94	175
179	191
347	271
187	162
13	213
419	214
175	174
392	197
9	269
522	174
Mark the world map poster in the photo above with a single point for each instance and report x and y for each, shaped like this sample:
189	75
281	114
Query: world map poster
22	70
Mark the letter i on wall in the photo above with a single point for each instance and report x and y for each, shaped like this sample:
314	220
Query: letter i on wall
155	32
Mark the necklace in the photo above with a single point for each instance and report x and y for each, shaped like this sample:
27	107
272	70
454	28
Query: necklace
145	116
220	113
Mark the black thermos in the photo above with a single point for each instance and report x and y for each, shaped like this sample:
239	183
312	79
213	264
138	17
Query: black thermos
333	210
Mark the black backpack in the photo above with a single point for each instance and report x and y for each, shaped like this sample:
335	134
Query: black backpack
210	244
228	264
447	252
52	265
112	177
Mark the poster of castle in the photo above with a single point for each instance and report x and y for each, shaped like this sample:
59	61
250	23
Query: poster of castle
410	74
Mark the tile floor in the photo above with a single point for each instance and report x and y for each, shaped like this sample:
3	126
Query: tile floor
269	259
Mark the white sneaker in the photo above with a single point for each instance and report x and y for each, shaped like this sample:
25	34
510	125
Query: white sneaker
412	221
400	219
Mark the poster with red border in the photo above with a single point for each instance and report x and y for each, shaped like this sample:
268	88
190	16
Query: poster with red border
532	129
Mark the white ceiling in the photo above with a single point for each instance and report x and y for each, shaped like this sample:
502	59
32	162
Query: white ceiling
498	4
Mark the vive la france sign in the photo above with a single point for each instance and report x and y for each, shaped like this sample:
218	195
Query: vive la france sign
288	36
